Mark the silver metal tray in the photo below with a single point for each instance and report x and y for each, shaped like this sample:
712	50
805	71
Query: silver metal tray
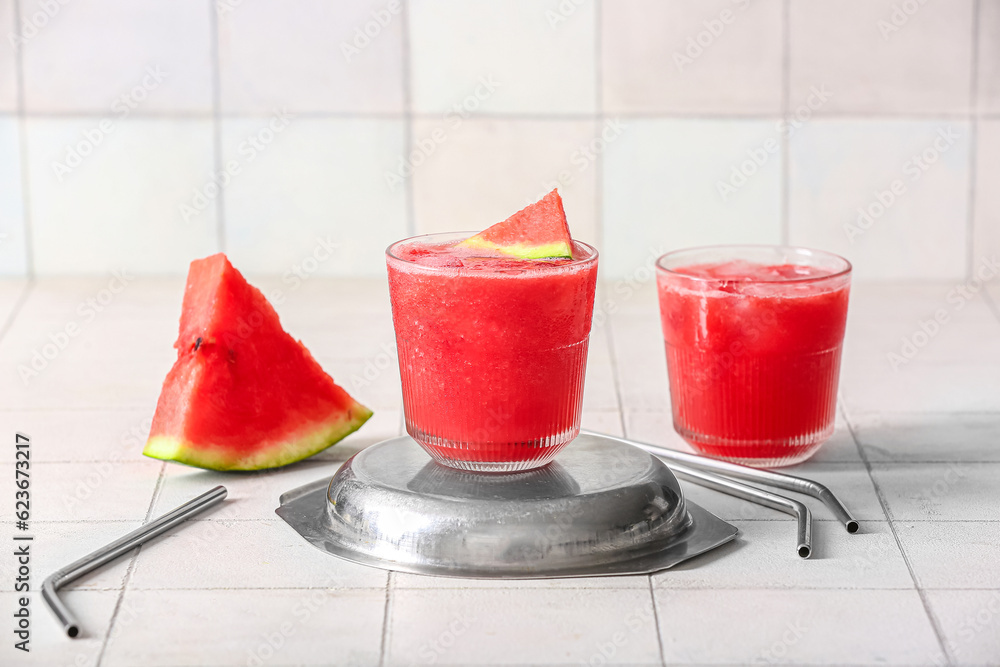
601	508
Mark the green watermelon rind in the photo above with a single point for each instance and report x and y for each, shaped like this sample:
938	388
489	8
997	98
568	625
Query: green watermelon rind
522	250
202	455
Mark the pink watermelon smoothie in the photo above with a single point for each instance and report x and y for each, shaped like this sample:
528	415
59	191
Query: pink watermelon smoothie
753	340
492	350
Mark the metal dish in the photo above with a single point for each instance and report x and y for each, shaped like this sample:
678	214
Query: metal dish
602	507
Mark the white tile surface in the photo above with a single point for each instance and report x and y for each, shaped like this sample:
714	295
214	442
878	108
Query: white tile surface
936	437
13	252
602	421
794	627
302	627
641	362
66	361
895	360
252	495
952	554
484	170
884	70
692	57
120	40
81	435
96	491
763	556
113	188
56	544
988	90
376	384
938	491
315	58
599	391
661	189
838	166
323	179
539	64
539	626
986	234
8	62
275	554
969	621
147	299
11	290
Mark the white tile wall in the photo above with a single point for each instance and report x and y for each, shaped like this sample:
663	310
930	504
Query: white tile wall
988	63
661	188
315	198
517	88
13	247
535	62
855	48
8	59
315	60
118	205
91	54
920	229
692	56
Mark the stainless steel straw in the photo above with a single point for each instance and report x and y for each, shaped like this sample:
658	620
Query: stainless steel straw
121	546
730	487
770	478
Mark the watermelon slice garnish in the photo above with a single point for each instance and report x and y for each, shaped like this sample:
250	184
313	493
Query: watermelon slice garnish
243	394
537	231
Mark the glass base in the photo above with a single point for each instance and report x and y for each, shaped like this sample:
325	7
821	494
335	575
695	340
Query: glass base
493	457
758	453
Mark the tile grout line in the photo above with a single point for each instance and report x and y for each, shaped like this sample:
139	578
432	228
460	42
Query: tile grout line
621	421
22	141
140	115
786	86
131	566
935	625
411	221
220	204
386	612
973	147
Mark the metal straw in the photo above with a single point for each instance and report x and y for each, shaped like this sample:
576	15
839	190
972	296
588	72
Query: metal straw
782	481
746	492
120	547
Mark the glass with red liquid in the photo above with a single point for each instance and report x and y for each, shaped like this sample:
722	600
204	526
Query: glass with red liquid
753	338
492	351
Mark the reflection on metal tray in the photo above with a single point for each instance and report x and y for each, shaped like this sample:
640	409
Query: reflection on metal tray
601	508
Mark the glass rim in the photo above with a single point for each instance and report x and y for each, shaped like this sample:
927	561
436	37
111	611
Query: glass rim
592	253
846	269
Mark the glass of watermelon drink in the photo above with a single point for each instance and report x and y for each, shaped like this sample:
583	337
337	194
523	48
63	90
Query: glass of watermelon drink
753	338
492	350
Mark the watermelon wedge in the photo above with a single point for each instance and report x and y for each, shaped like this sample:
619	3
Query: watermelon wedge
243	394
537	231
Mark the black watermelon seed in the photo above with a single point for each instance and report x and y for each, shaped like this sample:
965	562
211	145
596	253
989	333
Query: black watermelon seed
197	344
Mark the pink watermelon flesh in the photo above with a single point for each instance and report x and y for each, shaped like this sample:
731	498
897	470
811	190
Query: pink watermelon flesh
243	394
537	231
